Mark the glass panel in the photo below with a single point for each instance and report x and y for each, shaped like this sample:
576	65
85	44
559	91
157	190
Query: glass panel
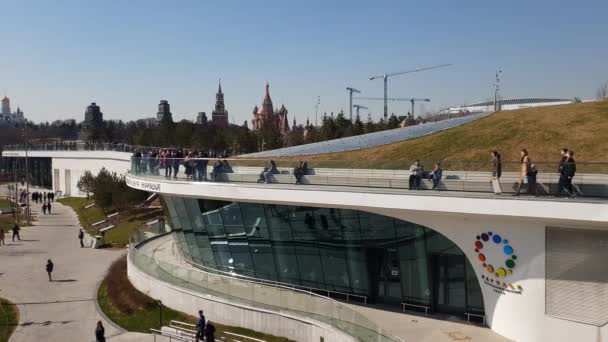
309	263
335	269
233	222
287	264
263	261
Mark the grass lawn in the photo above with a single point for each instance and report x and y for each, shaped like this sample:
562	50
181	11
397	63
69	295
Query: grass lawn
543	131
127	224
134	311
9	317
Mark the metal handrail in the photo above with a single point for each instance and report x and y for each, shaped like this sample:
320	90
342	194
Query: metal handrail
266	281
133	249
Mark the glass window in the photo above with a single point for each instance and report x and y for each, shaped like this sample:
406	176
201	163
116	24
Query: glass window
287	264
414	270
213	222
309	263
241	258
328	223
357	264
303	224
254	219
376	226
233	222
263	261
335	269
278	219
351	227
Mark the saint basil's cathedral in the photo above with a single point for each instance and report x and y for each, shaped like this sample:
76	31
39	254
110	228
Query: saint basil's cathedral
265	116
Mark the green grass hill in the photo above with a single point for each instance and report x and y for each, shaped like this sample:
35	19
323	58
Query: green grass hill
582	127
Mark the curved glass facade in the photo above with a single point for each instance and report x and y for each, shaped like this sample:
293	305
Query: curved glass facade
388	260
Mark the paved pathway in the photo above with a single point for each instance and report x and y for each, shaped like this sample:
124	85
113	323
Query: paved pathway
62	310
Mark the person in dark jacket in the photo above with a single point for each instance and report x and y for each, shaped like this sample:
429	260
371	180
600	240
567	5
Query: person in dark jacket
269	170
81	238
100	332
201	167
177	159
532	172
569	172
209	332
300	171
49	268
16	230
561	186
48	207
496	165
436	175
200	326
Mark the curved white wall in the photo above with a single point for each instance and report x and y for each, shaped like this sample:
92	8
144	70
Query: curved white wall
226	312
516	314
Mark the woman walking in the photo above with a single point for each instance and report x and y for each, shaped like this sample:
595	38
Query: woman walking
496	172
525	167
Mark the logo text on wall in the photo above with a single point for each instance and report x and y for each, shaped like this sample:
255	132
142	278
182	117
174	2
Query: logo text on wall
498	259
150	186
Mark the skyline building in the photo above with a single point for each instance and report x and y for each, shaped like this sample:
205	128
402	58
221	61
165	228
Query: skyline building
93	117
265	116
8	117
164	111
219	116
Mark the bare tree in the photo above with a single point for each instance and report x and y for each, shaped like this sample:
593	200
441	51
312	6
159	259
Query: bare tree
602	91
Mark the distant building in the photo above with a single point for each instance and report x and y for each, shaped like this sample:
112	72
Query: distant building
265	116
507	104
219	116
148	122
201	118
93	117
164	112
8	118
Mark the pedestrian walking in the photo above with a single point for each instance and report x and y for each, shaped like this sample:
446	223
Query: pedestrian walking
209	332
2	237
16	230
200	326
81	238
48	207
496	172
49	268
44	208
100	332
561	168
570	171
525	167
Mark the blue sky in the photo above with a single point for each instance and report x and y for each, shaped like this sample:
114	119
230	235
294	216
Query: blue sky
58	56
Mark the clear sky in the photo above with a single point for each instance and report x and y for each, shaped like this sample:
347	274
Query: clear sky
58	56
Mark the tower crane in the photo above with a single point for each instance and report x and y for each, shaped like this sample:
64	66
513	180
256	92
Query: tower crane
387	75
358	107
411	99
351	90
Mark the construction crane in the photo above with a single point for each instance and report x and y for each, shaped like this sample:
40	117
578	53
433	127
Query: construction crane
350	104
411	99
387	75
358	107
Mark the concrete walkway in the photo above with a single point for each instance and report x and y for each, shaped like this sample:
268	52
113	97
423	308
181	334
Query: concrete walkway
65	309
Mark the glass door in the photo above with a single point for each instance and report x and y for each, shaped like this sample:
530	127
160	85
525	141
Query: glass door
449	291
389	282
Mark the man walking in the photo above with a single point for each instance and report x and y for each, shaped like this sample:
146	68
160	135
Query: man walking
48	207
16	230
561	171
81	238
49	269
44	208
569	172
2	237
200	326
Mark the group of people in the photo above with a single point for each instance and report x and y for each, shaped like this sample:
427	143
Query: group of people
205	330
15	229
417	173
566	170
194	163
271	169
41	197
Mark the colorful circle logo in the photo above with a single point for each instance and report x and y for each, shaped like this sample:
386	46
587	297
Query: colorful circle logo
485	242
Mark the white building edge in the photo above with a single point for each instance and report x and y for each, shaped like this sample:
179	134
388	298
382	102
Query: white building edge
570	236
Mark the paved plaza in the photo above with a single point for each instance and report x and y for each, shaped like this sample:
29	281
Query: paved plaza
65	309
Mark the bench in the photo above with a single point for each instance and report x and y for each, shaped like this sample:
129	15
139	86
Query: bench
426	308
483	317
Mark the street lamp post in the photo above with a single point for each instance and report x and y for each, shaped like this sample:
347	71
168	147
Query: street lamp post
27	179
